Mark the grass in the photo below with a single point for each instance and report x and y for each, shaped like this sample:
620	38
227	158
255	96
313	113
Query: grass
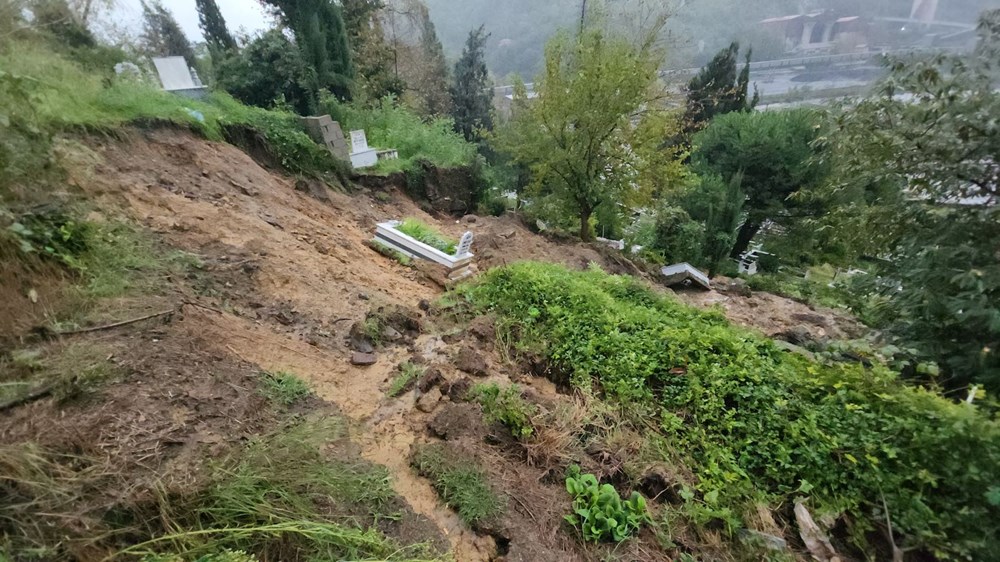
427	234
71	372
392	253
408	375
461	484
390	125
283	388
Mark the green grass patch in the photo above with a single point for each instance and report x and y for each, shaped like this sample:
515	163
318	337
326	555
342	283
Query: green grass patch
427	234
390	125
507	407
461	484
407	377
283	388
755	424
392	253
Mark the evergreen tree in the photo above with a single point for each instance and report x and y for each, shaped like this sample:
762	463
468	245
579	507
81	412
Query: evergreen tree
162	35
435	86
718	89
372	56
470	93
320	33
213	25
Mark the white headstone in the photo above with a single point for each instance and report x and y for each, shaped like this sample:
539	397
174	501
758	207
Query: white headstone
174	73
464	245
359	143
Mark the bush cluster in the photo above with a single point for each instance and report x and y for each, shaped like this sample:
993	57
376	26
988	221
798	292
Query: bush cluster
756	424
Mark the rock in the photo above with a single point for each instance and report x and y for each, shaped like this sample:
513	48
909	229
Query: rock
363	359
418	359
430	379
735	286
810	318
792	348
248	191
363	296
424	305
390	334
358	340
428	401
284	317
797	335
313	188
458	391
469	219
469	360
456	420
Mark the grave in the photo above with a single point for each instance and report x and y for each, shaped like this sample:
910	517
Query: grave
684	273
456	264
177	78
361	155
748	261
327	132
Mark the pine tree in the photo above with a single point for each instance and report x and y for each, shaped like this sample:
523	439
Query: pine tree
470	93
162	35
320	33
213	25
717	89
435	86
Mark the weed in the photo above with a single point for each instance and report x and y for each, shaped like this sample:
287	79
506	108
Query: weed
408	375
507	407
599	511
427	234
461	484
283	388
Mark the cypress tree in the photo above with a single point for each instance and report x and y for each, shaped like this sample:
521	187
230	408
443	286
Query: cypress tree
162	35
717	89
436	91
213	25
320	33
472	102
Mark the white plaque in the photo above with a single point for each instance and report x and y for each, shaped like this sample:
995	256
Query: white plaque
358	141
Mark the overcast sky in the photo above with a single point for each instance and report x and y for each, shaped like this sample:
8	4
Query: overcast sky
246	14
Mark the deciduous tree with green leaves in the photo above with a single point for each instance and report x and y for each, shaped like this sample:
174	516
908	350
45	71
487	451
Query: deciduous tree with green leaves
775	154
577	136
919	169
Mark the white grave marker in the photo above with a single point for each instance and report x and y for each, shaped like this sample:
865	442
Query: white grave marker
359	143
464	245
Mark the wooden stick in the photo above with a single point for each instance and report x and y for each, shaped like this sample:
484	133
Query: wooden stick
114	325
29	397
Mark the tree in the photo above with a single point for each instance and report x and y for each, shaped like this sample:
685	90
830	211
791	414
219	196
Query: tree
268	69
470	93
775	154
213	26
717	89
919	165
435	83
320	33
718	205
162	35
575	137
375	75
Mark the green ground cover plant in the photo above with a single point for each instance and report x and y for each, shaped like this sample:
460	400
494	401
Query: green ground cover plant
408	375
427	234
755	424
599	512
460	483
507	407
283	388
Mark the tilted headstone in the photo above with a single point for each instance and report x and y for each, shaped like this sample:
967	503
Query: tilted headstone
464	245
359	143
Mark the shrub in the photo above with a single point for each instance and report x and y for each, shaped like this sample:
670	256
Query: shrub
756	424
507	407
677	236
599	511
428	235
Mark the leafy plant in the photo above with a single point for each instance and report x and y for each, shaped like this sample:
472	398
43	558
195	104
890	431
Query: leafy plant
599	511
427	234
408	374
283	388
507	407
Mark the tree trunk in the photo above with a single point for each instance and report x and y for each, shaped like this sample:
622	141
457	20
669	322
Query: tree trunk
585	224
744	237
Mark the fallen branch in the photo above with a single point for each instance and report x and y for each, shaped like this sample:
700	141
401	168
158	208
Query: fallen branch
29	397
115	324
